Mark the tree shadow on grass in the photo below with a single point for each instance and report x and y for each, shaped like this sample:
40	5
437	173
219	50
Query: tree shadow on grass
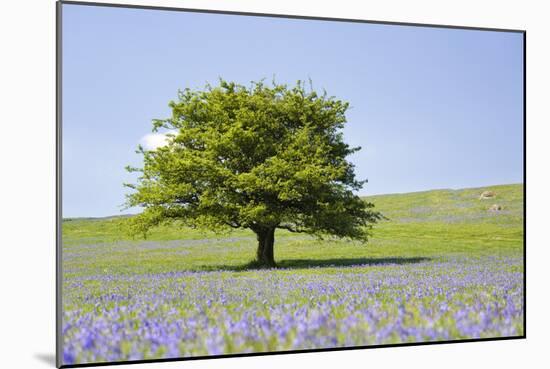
315	263
319	263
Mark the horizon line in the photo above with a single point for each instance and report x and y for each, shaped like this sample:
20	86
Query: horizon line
362	196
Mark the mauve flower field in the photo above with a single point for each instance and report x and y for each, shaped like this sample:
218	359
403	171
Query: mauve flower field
430	279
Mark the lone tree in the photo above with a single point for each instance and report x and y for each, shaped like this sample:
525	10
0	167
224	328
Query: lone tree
261	157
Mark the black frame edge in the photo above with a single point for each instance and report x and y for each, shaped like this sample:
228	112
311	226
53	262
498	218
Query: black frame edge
288	16
292	352
58	183
525	184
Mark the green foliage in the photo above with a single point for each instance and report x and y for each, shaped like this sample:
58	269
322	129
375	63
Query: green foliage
261	158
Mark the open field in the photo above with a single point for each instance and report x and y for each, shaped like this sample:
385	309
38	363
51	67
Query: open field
442	267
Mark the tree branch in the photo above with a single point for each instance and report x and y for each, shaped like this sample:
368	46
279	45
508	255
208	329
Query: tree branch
291	229
235	225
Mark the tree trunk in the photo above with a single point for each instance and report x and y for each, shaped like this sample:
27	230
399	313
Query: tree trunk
266	239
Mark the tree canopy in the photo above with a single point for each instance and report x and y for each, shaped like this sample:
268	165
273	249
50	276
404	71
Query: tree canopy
261	157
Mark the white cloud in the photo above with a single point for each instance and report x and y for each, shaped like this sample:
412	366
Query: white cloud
153	141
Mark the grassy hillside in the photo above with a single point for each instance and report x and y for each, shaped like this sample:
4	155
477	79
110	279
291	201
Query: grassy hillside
454	206
431	224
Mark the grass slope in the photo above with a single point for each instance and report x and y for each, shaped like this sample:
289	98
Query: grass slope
420	226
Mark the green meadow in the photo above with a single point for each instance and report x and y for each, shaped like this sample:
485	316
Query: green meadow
441	266
431	224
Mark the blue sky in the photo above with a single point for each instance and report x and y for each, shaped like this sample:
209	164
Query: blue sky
431	107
